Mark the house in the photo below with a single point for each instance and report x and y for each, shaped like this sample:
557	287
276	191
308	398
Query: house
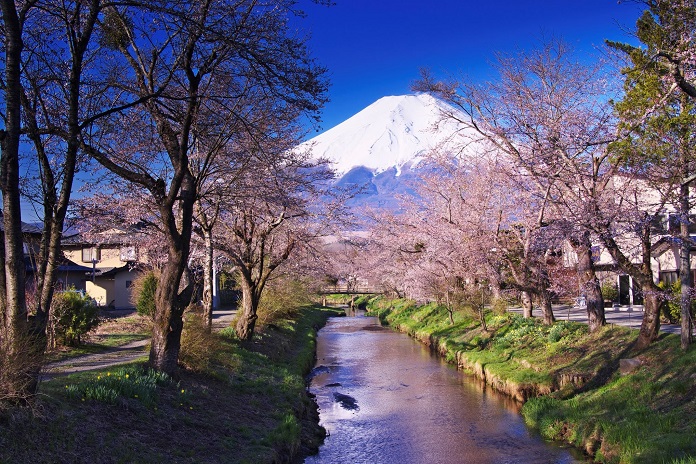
112	261
69	274
664	246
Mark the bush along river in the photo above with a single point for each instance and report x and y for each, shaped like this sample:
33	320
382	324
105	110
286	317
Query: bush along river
384	398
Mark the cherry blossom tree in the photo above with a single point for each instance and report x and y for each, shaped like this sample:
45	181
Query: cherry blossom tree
545	114
64	85
272	214
12	292
208	63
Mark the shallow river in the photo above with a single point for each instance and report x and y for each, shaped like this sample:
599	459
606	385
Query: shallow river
384	398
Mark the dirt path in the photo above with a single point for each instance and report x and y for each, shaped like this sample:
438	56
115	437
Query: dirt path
117	355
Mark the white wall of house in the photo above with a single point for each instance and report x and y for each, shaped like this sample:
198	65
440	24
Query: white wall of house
102	290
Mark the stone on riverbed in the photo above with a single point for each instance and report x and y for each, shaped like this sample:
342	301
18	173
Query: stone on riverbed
346	401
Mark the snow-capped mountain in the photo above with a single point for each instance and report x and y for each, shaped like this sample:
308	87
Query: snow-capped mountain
382	147
390	133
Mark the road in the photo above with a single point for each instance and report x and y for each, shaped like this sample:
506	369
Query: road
624	315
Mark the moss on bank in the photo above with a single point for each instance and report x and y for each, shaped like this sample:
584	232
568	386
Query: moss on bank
570	379
248	404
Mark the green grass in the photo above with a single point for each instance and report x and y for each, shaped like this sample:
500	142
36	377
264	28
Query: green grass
249	405
571	379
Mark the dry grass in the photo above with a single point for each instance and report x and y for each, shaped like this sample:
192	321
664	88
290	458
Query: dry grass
134	324
19	366
198	345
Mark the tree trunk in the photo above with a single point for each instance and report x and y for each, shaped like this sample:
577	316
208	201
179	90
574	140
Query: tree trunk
168	319
47	279
526	300
685	267
15	329
170	299
247	319
449	307
546	308
650	325
208	283
3	300
589	284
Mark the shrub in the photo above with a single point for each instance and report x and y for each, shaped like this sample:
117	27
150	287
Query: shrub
499	306
74	314
672	305
17	364
556	332
143	293
282	299
609	291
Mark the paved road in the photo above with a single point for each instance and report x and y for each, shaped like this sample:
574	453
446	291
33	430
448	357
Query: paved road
625	316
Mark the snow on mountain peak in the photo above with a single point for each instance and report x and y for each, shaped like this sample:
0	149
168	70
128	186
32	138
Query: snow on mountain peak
391	132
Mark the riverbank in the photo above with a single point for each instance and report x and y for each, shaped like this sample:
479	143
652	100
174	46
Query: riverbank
237	402
571	381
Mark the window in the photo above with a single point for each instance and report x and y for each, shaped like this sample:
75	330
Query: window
128	253
669	277
90	254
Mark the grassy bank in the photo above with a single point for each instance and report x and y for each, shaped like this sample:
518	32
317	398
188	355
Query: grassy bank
236	402
570	380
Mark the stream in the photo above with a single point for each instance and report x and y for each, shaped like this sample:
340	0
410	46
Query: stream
384	398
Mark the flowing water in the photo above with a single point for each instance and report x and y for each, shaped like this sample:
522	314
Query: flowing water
384	398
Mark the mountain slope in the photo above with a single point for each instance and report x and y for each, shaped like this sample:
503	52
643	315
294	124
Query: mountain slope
390	133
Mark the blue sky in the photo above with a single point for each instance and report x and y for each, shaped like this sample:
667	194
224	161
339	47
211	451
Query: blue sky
375	48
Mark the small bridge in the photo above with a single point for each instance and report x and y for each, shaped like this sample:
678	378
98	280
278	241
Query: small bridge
348	290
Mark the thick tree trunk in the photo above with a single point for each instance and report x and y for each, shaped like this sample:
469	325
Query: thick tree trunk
247	319
546	309
168	319
650	325
589	284
526	300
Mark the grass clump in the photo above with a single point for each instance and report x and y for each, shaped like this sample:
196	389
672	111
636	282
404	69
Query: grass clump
199	347
130	382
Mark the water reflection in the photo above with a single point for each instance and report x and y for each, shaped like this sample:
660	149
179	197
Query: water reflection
384	398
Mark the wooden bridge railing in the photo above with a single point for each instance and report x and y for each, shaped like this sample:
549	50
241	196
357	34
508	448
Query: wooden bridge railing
348	290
